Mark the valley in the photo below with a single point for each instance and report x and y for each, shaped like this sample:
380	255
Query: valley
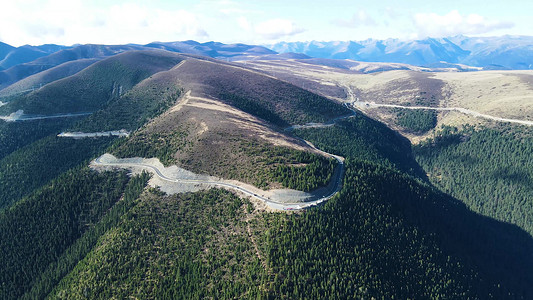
474	98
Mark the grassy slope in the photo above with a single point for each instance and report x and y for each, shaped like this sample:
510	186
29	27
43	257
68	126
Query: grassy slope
44	77
95	86
21	71
187	136
249	160
275	101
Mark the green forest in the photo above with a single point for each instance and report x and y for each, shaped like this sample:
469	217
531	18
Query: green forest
387	234
416	120
34	165
488	169
172	247
14	135
49	221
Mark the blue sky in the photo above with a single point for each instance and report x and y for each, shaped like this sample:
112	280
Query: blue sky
261	22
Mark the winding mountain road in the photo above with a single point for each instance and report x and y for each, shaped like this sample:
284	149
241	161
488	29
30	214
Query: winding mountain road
337	180
459	109
272	204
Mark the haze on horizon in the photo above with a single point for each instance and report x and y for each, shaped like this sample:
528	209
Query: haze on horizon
70	22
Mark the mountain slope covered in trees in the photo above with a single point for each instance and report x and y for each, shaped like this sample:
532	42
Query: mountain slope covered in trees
489	170
386	235
68	231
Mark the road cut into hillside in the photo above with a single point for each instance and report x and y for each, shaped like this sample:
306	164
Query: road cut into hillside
364	105
174	179
19	116
177	180
81	135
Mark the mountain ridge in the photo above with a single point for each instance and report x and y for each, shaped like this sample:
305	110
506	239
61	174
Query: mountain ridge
504	52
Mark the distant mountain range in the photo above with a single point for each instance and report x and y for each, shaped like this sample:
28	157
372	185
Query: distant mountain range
459	52
505	52
11	56
19	63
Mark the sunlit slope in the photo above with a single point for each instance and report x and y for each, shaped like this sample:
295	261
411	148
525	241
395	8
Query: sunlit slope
258	93
387	235
54	58
503	94
88	90
40	79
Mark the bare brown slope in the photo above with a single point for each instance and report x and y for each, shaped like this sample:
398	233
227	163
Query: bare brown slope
264	96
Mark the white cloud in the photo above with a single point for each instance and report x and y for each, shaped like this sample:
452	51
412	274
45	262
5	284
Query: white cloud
453	23
244	23
392	12
74	21
360	18
277	28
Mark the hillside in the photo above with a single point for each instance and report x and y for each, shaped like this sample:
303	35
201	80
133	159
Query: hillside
93	87
229	131
189	129
485	164
36	81
146	99
5	49
27	53
29	60
277	102
490	170
73	229
498	94
380	237
212	49
56	56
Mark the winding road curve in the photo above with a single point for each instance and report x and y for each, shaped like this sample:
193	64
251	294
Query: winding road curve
269	202
338	174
